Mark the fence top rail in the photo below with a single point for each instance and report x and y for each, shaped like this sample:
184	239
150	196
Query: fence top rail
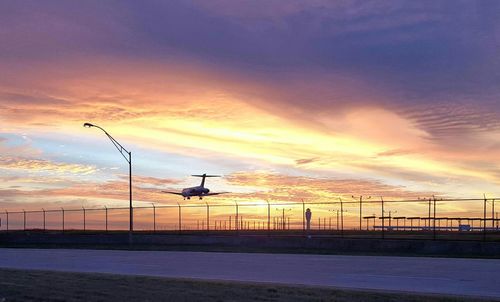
204	205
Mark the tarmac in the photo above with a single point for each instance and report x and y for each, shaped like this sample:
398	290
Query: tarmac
448	276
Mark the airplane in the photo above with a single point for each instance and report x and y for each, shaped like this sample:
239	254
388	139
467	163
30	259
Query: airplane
199	191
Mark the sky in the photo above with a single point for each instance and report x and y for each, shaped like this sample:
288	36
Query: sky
287	100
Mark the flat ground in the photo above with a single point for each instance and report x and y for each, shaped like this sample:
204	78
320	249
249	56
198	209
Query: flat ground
16	285
445	276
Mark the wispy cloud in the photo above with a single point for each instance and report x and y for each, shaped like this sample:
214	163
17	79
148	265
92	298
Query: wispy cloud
43	165
284	187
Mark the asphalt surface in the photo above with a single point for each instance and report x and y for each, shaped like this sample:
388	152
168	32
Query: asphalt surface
451	276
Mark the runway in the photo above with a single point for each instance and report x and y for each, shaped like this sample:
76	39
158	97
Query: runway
470	277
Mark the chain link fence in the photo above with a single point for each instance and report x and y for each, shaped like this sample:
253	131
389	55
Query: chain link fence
359	217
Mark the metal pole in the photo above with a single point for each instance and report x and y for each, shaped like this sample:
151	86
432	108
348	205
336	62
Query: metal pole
434	220
236	218
303	217
24	220
7	214
360	212
84	220
122	151
338	220
429	220
383	223
131	209
497	220
62	219
208	217
493	213
341	218
154	217
179	217
106	210
484	218
43	219
268	218
283	219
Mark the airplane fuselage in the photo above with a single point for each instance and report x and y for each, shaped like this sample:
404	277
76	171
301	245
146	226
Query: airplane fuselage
199	191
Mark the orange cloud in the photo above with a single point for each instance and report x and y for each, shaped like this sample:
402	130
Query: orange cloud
43	165
295	188
196	111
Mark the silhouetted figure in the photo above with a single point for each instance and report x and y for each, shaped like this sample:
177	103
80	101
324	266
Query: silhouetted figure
308	219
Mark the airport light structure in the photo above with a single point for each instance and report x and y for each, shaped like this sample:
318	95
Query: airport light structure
360	209
283	222
337	211
128	157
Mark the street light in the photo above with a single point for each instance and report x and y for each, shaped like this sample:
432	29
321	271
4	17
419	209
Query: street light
128	157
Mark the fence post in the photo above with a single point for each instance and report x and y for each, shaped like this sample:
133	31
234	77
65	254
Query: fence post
43	219
303	217
429	223
62	209
84	220
24	220
106	210
383	223
341	218
208	217
493	213
180	217
484	218
154	217
434	219
236	218
268	218
360	213
338	226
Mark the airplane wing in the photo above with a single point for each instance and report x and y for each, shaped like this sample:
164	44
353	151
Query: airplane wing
210	194
176	193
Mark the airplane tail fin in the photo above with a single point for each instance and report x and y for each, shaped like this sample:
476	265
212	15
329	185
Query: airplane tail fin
203	178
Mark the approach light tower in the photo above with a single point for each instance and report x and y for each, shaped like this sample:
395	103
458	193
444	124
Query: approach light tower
361	210
128	157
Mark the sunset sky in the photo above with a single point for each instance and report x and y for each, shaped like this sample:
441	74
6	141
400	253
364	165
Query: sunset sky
285	99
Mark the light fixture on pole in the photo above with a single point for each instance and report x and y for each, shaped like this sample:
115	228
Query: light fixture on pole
128	157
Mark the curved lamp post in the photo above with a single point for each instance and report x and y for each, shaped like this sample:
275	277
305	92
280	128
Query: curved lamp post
128	157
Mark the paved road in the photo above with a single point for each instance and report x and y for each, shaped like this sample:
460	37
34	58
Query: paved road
475	277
